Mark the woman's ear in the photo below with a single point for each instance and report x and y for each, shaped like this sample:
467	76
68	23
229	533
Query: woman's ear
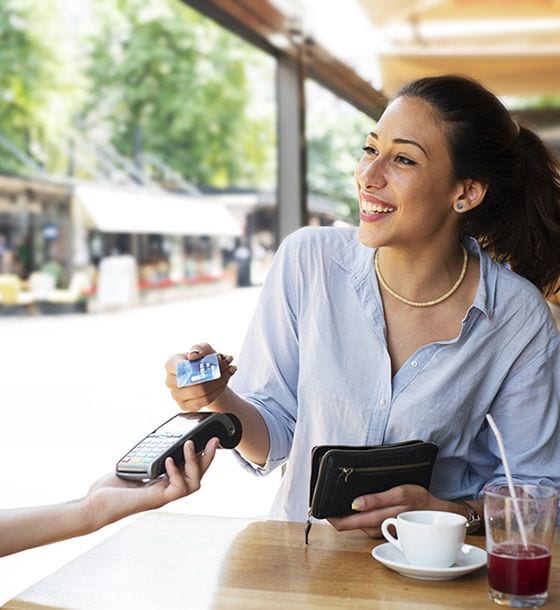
470	195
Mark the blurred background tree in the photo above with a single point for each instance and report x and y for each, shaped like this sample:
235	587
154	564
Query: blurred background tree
28	71
169	82
156	78
336	133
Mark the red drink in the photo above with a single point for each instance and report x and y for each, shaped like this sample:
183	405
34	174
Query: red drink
517	570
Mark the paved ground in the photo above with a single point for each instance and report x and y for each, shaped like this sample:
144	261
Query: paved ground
78	390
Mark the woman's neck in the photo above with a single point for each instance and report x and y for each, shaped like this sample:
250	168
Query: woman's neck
421	273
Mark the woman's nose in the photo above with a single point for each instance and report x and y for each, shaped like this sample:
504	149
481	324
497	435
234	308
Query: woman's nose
371	174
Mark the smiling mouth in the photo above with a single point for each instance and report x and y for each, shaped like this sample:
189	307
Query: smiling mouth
370	209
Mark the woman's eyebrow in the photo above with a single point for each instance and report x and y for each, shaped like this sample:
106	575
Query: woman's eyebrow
403	141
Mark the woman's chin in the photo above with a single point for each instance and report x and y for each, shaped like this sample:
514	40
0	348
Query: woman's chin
369	238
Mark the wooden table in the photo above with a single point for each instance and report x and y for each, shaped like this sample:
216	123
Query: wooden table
165	561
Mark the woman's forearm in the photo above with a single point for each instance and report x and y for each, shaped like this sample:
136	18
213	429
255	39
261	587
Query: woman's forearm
24	528
255	442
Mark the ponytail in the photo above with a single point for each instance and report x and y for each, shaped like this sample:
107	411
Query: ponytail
521	226
518	221
537	255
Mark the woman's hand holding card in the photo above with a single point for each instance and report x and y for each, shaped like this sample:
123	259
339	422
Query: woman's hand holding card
198	377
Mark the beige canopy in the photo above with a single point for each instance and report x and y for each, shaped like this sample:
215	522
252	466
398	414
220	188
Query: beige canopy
511	46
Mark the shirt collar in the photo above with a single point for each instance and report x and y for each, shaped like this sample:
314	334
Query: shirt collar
485	293
357	260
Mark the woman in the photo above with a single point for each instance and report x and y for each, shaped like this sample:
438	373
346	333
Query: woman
419	323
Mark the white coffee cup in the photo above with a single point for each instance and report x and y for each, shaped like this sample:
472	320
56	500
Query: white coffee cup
427	538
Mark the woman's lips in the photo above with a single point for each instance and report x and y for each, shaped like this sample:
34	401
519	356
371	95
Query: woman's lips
373	199
372	208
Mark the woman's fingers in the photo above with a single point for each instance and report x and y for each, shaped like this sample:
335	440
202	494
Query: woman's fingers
202	390
365	520
373	532
197	396
171	364
375	508
401	495
199	350
196	352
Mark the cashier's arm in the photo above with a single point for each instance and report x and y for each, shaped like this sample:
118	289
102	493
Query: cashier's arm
107	501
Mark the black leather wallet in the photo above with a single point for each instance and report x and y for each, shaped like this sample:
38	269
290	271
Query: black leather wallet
339	474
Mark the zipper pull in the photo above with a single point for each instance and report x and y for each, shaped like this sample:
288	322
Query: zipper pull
346	472
308	525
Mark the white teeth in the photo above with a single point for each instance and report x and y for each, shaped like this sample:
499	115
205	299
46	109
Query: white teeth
370	208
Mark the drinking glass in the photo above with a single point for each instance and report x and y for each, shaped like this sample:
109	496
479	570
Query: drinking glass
518	569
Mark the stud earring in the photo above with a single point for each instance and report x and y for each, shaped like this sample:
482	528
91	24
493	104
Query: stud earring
459	205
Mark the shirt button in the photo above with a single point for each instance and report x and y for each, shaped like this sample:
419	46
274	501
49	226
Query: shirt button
382	402
414	364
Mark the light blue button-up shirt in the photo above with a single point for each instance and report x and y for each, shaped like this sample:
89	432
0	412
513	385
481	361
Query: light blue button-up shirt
315	364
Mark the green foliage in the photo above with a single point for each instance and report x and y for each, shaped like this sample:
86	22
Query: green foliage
25	63
172	83
334	147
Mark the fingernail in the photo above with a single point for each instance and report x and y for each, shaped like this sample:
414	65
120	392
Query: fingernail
233	368
358	504
194	351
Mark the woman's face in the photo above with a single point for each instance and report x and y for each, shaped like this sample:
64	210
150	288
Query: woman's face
405	179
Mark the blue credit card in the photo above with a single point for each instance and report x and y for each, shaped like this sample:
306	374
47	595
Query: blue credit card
191	372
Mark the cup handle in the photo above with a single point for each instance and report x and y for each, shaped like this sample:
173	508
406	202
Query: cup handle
387	534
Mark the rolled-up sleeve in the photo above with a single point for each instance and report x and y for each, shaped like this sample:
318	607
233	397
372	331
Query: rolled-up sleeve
527	413
268	364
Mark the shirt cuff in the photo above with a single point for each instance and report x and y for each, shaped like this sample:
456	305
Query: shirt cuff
279	444
257	469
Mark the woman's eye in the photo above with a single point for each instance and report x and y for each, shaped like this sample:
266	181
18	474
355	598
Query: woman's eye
369	150
405	161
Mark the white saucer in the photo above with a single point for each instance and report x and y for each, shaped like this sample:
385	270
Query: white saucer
470	558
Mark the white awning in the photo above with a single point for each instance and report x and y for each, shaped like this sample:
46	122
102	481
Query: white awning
119	210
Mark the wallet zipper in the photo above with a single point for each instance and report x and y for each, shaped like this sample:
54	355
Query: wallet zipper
348	470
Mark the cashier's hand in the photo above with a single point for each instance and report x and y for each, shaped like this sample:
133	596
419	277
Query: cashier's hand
375	508
111	498
201	395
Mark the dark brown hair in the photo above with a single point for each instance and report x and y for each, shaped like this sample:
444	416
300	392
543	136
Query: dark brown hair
518	221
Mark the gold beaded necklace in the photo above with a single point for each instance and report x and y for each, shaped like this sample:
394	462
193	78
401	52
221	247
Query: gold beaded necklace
423	303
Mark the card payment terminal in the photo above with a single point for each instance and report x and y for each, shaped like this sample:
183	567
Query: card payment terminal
146	460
